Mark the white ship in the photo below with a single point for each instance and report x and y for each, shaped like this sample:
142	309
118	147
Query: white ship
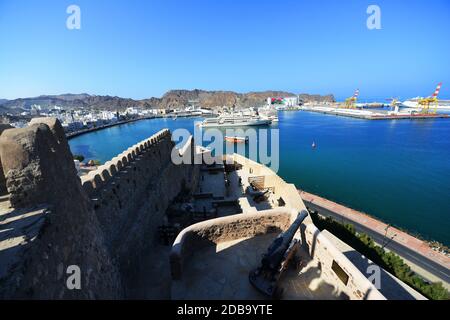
235	120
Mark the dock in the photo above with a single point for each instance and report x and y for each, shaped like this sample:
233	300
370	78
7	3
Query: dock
373	115
70	135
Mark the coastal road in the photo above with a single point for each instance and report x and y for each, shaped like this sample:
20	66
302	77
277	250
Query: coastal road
434	268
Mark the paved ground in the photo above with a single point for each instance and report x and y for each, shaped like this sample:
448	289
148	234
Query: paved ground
221	272
214	183
430	264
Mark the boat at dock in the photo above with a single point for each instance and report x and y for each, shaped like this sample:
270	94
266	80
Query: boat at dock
236	139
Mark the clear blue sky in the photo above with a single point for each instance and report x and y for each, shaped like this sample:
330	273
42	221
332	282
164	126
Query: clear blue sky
140	49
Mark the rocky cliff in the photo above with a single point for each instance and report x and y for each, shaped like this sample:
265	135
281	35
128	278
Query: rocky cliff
68	101
316	98
54	219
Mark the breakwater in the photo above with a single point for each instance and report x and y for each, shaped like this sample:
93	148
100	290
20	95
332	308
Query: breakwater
396	171
424	260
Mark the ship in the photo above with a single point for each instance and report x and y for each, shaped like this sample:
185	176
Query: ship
235	120
236	139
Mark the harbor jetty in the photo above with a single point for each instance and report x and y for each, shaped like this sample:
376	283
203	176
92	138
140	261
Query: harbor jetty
70	135
373	114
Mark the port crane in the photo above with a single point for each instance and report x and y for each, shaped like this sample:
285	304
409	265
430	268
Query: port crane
394	102
350	103
430	102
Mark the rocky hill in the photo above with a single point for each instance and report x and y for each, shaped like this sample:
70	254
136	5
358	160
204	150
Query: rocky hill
171	99
212	99
316	98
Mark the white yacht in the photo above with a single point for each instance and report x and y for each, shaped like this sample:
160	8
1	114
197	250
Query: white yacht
235	120
414	104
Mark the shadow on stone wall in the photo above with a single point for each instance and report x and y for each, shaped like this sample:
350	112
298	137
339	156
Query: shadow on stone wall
104	225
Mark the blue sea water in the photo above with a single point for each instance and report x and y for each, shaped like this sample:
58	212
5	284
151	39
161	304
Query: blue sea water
396	170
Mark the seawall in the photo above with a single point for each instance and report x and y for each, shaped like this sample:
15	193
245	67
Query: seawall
131	192
84	131
430	264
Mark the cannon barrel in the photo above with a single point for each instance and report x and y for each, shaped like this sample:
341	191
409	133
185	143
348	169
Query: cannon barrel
274	256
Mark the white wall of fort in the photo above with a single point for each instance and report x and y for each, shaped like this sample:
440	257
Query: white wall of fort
104	222
253	223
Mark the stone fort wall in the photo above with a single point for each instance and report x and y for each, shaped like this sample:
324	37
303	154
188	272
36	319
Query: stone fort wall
131	192
102	223
47	224
214	231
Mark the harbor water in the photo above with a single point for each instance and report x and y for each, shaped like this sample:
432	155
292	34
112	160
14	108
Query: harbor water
395	170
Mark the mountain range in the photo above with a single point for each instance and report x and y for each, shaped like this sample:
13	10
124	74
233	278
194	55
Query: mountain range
171	99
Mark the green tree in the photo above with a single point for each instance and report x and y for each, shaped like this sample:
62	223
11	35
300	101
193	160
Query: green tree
389	261
78	157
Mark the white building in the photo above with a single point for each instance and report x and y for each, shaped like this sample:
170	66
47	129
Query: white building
132	110
291	101
286	101
35	109
73	126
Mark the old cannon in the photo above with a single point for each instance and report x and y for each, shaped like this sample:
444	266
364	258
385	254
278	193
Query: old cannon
275	261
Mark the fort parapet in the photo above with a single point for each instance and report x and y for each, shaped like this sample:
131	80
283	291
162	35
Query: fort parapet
106	223
228	245
47	222
103	223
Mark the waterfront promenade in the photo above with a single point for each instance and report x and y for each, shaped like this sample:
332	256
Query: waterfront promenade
80	132
430	264
372	114
395	177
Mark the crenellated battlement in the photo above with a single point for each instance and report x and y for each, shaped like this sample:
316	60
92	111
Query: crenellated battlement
131	192
48	223
106	220
127	160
